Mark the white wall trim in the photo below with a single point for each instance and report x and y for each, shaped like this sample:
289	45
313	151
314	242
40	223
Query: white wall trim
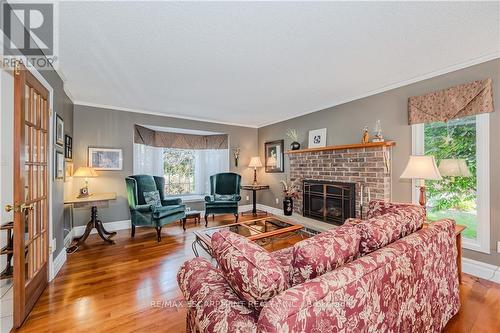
481	270
109	226
58	264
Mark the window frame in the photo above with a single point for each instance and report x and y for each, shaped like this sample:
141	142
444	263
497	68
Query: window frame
482	241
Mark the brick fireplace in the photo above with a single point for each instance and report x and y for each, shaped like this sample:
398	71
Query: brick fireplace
367	166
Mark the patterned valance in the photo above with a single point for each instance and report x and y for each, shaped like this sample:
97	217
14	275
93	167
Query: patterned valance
154	138
456	102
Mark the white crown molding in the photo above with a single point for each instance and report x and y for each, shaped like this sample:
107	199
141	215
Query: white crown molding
400	84
154	113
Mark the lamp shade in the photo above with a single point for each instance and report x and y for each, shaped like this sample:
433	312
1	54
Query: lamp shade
454	167
421	167
255	162
85	172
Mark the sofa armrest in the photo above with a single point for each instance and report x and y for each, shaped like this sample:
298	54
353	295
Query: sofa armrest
379	207
209	198
211	301
237	197
171	202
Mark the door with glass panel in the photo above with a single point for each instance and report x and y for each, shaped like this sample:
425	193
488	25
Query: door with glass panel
31	200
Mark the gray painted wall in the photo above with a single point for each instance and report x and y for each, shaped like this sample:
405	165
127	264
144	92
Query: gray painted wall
345	122
99	127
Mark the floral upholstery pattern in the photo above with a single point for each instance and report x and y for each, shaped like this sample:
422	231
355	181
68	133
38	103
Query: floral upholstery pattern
387	223
285	257
410	285
248	268
324	252
212	305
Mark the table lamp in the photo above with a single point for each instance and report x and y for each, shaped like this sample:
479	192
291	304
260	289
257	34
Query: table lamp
421	168
255	163
85	172
454	167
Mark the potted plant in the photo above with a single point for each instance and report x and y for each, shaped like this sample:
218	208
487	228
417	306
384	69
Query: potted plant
294	136
290	192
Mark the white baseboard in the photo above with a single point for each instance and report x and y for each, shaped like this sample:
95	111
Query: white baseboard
109	226
58	263
481	270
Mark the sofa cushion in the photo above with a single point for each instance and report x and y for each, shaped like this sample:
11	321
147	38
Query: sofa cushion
285	258
224	197
250	270
152	198
325	252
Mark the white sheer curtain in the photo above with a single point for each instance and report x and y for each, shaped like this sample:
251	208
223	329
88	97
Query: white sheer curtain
148	160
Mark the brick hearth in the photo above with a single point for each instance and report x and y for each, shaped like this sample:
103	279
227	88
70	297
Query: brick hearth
369	167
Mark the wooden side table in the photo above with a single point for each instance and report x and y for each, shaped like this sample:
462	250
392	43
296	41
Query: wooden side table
458	233
254	189
93	200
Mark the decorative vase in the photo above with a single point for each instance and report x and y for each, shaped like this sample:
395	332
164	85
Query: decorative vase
288	206
295	145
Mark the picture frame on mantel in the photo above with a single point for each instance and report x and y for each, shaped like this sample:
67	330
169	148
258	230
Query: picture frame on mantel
317	138
106	159
275	158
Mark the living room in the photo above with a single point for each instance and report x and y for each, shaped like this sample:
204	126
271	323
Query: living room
344	151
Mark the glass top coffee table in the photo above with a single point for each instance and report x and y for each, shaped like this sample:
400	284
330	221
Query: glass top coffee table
263	231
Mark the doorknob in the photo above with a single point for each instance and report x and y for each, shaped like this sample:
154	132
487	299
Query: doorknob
23	207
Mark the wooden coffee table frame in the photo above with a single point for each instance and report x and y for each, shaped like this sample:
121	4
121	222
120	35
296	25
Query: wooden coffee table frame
205	241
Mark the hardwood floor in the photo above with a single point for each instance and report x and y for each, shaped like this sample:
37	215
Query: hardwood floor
131	287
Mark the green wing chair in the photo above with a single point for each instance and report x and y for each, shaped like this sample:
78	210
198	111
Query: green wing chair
146	215
224	195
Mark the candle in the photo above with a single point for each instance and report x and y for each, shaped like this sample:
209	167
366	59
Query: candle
361	189
369	199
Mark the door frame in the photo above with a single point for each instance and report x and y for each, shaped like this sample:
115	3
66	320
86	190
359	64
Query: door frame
49	88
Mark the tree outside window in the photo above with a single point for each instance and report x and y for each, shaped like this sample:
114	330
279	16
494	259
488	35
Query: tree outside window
179	169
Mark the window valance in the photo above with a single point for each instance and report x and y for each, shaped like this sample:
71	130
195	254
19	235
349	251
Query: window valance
455	102
147	136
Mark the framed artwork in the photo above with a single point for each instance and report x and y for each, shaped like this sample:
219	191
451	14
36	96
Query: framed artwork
275	160
317	138
68	173
59	165
59	131
105	158
68	147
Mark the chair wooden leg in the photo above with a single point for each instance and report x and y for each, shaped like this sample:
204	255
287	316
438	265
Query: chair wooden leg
213	217
206	220
133	230
184	224
158	234
237	216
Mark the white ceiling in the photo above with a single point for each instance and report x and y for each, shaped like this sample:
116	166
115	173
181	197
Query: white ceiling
255	63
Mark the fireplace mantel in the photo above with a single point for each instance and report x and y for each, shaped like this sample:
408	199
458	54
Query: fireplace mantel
351	146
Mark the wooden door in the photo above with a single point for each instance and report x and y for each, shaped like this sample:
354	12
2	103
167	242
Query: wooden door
31	200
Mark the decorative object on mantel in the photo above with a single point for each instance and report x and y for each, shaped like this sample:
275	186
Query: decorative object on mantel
85	172
105	158
366	136
421	168
290	192
456	102
274	158
294	136
236	155
255	163
378	132
317	138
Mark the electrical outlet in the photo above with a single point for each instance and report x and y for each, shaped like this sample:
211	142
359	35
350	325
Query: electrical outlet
277	200
248	198
498	246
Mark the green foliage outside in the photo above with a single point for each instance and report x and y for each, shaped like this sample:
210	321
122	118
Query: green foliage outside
179	171
453	197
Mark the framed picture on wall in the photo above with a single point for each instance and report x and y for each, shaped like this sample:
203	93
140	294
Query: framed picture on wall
68	147
105	158
59	166
68	173
274	156
59	131
317	138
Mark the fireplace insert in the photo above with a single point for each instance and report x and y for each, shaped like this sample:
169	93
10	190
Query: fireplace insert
327	201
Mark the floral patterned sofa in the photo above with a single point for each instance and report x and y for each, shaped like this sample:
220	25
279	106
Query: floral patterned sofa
384	274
